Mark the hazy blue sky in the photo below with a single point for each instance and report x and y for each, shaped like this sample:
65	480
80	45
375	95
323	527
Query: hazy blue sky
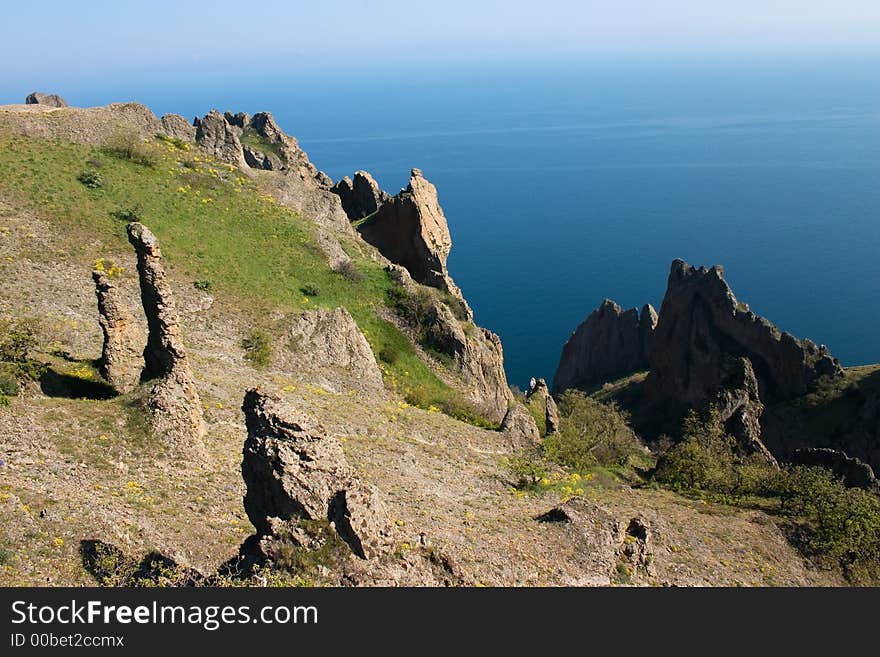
56	40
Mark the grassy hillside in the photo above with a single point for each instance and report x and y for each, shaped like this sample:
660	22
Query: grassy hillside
216	228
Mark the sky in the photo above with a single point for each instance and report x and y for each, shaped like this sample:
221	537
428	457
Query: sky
61	40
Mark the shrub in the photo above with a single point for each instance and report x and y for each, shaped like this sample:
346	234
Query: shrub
590	432
91	179
203	284
348	270
129	146
257	348
132	213
5	401
527	469
177	142
310	290
8	379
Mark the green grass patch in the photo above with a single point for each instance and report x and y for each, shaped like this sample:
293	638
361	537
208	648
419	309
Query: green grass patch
258	142
213	225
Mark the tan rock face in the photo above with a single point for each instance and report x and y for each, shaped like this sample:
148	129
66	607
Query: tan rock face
50	100
327	342
294	470
520	428
174	125
539	391
174	401
217	137
411	230
121	355
610	343
701	323
740	406
360	197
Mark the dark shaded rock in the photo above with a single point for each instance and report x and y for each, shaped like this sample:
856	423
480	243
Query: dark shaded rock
854	472
610	343
219	139
324	180
294	471
360	197
259	160
174	401
701	323
121	355
174	125
411	230
739	406
240	120
52	100
519	428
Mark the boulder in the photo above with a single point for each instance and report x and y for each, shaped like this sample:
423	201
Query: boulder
610	343
295	471
411	230
701	323
121	355
51	100
240	120
174	125
854	472
258	160
176	410
360	197
219	139
328	342
519	428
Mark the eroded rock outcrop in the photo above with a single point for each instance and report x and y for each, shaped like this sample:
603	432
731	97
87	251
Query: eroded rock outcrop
411	230
701	323
121	354
739	406
519	428
360	197
295	471
51	100
174	125
217	137
611	342
176	410
329	342
539	393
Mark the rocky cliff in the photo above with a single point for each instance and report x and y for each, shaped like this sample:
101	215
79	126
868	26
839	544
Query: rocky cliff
611	342
701	322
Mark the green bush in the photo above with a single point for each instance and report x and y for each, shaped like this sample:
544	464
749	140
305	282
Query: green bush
528	470
8	379
310	290
127	214
5	401
18	338
91	179
257	348
349	271
590	432
203	284
177	142
389	353
127	145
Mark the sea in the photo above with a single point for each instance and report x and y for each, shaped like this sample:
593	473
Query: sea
566	181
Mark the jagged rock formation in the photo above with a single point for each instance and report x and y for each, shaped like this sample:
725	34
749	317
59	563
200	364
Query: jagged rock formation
328	341
174	125
477	356
52	100
121	354
854	472
611	342
174	402
360	197
519	428
701	323
739	406
295	471
215	136
411	230
539	392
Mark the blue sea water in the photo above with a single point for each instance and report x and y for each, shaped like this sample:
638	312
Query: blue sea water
568	182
